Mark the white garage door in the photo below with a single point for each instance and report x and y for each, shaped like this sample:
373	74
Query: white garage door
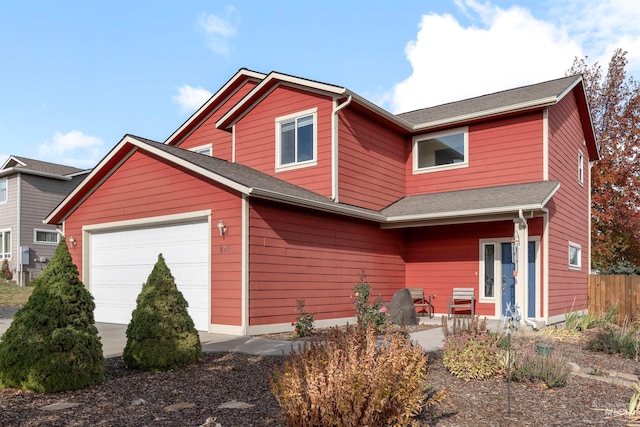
121	261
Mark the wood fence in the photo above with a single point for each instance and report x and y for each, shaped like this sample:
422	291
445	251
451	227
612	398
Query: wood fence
607	290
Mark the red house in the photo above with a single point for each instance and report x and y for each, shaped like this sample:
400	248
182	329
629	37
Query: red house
281	188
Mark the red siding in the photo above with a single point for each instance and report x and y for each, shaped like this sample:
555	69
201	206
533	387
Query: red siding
507	151
301	254
255	137
207	133
371	162
569	212
145	186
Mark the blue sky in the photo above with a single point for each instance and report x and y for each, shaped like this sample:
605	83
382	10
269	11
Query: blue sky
75	76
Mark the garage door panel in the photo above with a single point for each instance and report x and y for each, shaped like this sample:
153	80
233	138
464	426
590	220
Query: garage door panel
122	260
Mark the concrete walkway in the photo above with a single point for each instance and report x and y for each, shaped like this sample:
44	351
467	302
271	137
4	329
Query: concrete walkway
114	339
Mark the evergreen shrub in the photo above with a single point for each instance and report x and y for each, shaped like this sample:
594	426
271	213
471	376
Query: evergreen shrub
161	335
52	344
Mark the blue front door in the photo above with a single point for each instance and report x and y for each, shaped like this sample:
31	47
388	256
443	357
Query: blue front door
508	281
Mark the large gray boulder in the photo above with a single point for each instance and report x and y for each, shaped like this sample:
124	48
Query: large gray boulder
401	309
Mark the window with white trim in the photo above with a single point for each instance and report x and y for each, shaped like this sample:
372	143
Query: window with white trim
207	149
580	168
488	270
5	244
441	150
575	256
46	237
296	141
4	190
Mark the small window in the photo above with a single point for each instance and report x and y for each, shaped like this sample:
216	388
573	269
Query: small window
580	168
46	237
3	190
442	150
575	256
296	140
207	149
5	244
489	270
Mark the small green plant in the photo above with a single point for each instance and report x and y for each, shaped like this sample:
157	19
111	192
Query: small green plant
610	315
552	371
624	341
304	322
5	271
161	334
368	313
353	379
472	355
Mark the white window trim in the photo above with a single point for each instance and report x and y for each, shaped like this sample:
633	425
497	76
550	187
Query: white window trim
203	147
464	130
579	248
43	230
6	199
2	231
497	262
313	162
580	168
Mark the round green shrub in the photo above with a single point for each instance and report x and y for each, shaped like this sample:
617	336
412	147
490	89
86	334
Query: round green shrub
52	344
161	334
472	356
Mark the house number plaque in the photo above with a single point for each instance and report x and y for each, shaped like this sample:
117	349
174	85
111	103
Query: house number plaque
225	249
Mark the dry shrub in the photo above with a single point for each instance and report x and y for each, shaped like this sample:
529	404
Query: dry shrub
353	379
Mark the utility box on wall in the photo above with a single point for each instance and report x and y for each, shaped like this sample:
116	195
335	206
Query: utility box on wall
24	255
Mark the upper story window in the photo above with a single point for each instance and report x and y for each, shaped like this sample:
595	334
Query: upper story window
580	168
46	237
441	150
575	256
206	149
4	184
296	141
5	244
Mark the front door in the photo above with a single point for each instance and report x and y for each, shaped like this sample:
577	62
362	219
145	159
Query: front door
508	280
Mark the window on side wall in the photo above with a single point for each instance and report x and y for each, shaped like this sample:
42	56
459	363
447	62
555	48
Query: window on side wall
46	237
441	150
575	256
580	168
296	140
4	193
5	244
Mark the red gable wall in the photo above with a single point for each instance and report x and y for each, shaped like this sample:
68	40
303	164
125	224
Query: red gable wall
145	186
570	210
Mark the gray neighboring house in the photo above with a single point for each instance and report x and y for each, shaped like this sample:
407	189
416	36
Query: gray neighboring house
29	190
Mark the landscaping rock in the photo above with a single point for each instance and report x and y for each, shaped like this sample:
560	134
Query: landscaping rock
178	406
60	406
234	404
401	309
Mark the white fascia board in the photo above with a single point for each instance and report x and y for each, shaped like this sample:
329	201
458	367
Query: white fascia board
149	221
190	166
11	171
282	78
9	159
214	98
539	103
380	111
569	88
550	195
465	213
329	206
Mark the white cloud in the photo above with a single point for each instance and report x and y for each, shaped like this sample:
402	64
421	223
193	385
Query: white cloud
218	30
191	98
509	48
73	149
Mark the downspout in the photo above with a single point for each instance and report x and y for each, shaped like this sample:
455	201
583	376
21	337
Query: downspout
525	309
334	149
18	228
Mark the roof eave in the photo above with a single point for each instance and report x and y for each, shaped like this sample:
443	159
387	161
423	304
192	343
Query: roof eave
11	171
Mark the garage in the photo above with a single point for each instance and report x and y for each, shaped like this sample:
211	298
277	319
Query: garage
121	260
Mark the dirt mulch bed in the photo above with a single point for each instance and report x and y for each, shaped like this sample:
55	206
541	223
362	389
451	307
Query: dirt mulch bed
189	396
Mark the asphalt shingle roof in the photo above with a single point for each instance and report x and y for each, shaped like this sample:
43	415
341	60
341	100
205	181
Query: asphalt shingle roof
45	167
505	197
493	101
